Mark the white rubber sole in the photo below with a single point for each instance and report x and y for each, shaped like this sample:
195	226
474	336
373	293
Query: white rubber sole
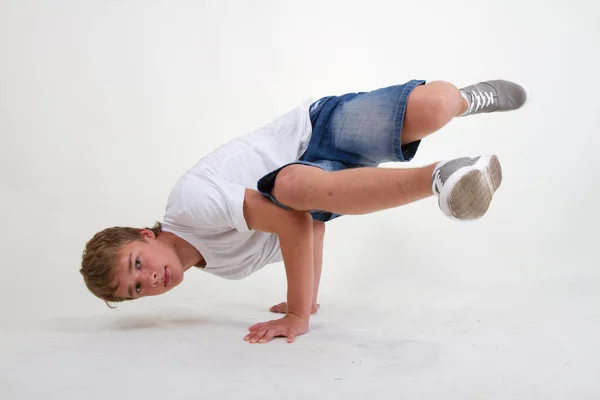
468	192
528	95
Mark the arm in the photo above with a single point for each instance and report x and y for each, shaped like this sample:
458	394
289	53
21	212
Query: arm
296	241
295	232
318	234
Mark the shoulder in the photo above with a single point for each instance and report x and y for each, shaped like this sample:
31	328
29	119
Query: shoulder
207	203
190	189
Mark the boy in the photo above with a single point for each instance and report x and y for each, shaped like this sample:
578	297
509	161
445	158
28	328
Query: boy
264	197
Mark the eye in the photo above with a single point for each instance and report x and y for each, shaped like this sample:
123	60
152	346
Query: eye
138	263
138	288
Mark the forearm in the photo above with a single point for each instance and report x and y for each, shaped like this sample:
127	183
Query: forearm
316	282
318	236
296	241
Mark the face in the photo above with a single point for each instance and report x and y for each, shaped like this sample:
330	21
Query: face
148	268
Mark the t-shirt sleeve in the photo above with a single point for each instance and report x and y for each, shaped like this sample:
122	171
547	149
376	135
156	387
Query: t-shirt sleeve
215	205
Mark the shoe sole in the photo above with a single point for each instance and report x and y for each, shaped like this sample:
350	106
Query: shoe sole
468	192
527	95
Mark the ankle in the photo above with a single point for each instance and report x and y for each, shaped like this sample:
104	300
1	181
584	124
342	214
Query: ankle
464	104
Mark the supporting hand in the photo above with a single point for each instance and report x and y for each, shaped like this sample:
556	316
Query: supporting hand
289	326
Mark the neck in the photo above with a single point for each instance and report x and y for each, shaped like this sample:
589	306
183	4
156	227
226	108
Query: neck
187	253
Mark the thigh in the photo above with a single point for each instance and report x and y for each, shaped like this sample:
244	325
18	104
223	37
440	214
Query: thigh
287	183
429	108
362	128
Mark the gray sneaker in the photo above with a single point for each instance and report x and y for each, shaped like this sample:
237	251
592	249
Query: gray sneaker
490	96
465	186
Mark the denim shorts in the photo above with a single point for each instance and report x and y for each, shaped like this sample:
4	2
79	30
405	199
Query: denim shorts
351	131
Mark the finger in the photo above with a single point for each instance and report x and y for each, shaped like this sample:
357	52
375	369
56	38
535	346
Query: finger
259	335
253	330
280	308
257	326
251	336
291	337
270	334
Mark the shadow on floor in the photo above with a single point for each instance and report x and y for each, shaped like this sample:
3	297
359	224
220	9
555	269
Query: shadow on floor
136	322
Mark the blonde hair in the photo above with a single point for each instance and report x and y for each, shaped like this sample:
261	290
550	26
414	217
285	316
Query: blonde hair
100	259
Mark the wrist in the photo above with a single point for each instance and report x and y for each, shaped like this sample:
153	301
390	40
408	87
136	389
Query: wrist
298	317
298	320
299	307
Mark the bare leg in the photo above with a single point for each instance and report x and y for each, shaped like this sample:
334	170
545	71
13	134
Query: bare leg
366	190
429	108
352	191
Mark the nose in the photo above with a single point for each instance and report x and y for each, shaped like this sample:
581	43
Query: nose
152	278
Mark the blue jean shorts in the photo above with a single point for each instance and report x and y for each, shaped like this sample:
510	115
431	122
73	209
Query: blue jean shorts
351	131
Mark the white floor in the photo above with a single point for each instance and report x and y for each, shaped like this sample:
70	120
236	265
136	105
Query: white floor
104	104
527	341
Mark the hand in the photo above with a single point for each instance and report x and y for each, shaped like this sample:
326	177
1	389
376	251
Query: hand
289	326
281	308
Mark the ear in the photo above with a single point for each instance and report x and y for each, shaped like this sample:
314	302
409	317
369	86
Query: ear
147	234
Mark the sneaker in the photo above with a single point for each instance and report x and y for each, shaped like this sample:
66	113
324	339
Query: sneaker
465	186
490	96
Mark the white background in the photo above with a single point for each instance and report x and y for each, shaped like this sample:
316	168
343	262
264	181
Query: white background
103	104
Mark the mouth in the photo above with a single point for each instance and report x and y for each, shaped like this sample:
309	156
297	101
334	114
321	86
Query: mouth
167	277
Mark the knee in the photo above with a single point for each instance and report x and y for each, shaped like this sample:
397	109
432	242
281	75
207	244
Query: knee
444	102
290	188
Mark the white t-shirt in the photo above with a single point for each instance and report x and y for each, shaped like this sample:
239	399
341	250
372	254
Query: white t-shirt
205	207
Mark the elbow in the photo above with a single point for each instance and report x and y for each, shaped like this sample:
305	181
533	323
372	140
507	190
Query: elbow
296	221
302	218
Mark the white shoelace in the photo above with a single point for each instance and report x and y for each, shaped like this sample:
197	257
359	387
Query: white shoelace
479	100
